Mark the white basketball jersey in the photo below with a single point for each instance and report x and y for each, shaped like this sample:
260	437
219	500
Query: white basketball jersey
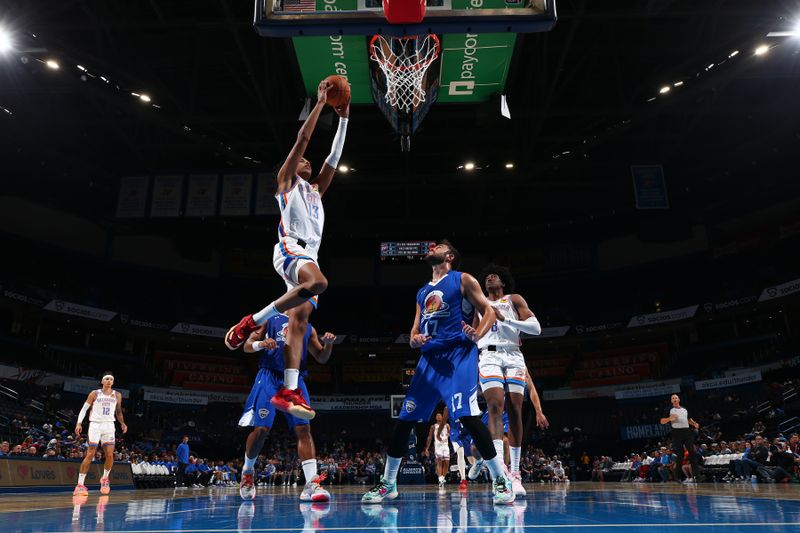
104	407
441	441
501	334
302	215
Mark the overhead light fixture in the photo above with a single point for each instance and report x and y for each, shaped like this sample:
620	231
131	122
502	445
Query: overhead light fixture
733	54
761	50
664	89
677	84
5	41
144	98
53	64
344	169
509	165
469	166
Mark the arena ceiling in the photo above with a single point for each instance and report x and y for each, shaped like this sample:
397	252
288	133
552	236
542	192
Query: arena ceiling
584	99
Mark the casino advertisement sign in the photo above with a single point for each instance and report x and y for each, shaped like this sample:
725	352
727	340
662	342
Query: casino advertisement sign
20	475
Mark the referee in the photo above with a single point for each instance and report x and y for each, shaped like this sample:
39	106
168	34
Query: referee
682	435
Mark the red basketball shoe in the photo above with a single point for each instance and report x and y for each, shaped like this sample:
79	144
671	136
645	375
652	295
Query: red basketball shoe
292	402
463	485
239	333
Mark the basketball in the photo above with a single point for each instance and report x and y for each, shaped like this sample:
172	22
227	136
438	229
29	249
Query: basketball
339	94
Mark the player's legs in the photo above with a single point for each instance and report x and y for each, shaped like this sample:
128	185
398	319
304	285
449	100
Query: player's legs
492	379
515	373
311	283
289	398
83	470
108	450
307	453
257	413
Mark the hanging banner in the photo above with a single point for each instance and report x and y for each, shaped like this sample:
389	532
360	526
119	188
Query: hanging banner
198	329
350	403
650	189
7	292
191	397
201	200
735	302
595	328
265	195
167	195
664	316
644	431
779	291
730	381
132	196
647	390
127	320
236	195
85	311
558	331
85	386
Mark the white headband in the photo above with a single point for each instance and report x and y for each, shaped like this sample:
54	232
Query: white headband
107	376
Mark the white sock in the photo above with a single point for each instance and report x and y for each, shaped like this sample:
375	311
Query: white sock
309	469
249	463
495	466
265	314
515	454
106	472
81	478
441	479
391	468
498	447
462	465
290	377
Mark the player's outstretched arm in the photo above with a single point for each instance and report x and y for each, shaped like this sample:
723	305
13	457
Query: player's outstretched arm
287	172
527	322
323	180
321	347
472	291
118	413
257	341
85	409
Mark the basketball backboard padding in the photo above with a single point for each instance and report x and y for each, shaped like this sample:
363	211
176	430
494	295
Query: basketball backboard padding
296	18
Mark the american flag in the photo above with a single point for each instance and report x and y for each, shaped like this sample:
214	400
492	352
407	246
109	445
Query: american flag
293	6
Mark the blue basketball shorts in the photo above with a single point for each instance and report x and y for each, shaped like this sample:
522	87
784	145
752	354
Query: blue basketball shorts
258	412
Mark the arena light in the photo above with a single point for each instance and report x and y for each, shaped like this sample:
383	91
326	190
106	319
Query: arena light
6	44
761	50
469	166
53	64
144	98
677	84
344	169
509	165
733	54
664	90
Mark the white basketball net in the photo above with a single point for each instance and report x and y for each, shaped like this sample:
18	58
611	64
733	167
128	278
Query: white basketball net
404	61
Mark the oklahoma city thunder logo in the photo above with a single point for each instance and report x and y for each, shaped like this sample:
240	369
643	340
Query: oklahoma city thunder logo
435	305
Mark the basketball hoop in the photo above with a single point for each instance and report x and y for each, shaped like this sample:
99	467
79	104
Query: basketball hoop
404	61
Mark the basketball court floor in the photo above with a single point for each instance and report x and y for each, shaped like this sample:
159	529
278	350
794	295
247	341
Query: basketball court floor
580	506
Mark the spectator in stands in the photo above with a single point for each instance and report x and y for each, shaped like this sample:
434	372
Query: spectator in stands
204	473
783	460
5	448
559	474
794	444
16	450
759	428
182	454
32	451
597	469
632	472
755	460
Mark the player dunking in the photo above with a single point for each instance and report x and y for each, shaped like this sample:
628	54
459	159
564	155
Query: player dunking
447	369
439	434
271	338
502	366
105	405
295	255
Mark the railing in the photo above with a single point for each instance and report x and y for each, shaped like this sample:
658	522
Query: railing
9	393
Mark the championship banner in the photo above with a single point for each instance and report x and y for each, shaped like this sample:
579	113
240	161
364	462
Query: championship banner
730	381
167	196
644	431
201	200
650	189
647	390
24	475
84	311
198	329
132	199
779	291
85	386
236	195
664	316
350	403
266	204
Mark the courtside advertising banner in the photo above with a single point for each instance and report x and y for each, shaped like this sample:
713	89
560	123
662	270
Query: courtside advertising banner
236	195
84	311
779	291
644	431
201	200
730	381
647	390
167	196
132	199
24	475
665	316
191	397
350	403
198	329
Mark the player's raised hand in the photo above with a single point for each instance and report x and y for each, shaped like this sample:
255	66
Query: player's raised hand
469	331
500	316
418	340
344	110
328	338
322	91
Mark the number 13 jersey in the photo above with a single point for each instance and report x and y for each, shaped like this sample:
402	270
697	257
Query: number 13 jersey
442	309
302	215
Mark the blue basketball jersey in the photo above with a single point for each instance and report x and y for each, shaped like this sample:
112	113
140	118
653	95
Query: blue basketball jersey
442	309
485	420
273	359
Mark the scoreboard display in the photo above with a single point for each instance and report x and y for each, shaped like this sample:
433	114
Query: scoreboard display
405	251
